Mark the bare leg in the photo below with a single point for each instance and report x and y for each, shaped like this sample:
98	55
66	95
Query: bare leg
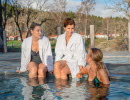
64	72
61	70
32	69
57	69
33	81
41	80
42	69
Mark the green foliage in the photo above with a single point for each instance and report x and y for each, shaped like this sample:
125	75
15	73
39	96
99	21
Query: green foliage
14	44
71	14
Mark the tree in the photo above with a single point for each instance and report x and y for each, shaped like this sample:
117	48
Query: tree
85	8
124	6
58	9
5	14
1	28
28	11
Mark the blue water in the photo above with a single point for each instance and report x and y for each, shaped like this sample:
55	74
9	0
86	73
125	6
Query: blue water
18	87
15	87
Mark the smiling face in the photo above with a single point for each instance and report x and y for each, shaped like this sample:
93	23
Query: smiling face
88	58
36	32
69	29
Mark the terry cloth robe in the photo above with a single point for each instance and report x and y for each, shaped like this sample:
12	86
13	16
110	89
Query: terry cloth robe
74	52
45	53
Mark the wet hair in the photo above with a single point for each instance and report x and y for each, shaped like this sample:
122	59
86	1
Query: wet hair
97	56
69	21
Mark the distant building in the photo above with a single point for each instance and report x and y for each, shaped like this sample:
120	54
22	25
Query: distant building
101	35
115	35
83	35
53	36
13	37
23	36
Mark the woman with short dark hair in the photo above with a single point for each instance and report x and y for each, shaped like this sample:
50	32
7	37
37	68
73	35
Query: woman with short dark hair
70	52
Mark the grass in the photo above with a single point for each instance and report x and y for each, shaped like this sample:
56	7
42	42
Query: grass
14	44
104	44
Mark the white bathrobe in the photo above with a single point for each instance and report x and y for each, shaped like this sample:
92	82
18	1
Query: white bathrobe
45	53
74	53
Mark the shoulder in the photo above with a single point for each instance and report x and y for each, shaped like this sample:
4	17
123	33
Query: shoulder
61	36
77	36
27	39
102	72
44	38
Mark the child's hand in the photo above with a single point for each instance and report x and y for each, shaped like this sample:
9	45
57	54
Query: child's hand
79	75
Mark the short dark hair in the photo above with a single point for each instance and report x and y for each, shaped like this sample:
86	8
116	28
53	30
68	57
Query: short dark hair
69	21
33	25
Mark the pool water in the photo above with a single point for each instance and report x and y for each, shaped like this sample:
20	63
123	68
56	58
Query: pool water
14	87
19	87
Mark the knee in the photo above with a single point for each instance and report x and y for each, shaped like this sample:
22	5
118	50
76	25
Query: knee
63	72
33	70
42	67
57	65
42	70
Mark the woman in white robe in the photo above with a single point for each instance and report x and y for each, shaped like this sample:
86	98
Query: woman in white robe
36	55
70	52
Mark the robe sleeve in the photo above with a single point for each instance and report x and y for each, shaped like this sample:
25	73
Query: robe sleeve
23	57
58	50
49	57
81	52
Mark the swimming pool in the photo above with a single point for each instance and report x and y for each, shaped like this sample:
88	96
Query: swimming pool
14	87
19	87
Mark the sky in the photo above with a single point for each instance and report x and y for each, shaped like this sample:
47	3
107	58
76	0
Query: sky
100	9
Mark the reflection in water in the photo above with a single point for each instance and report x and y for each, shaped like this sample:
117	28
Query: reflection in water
36	81
69	90
37	89
12	88
99	93
82	90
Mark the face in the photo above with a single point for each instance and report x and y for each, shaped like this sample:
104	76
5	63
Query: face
69	29
88	57
37	32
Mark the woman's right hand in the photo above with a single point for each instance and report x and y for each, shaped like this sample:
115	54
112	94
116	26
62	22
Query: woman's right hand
18	71
79	75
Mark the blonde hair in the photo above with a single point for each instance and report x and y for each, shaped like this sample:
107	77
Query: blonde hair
97	56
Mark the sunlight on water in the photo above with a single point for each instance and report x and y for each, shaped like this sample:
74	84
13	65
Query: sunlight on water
16	87
20	88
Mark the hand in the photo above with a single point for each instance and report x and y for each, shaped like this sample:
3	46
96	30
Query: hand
79	75
80	67
18	71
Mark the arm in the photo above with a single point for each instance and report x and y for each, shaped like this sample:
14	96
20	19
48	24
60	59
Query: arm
58	49
104	76
81	53
23	58
49	57
82	71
